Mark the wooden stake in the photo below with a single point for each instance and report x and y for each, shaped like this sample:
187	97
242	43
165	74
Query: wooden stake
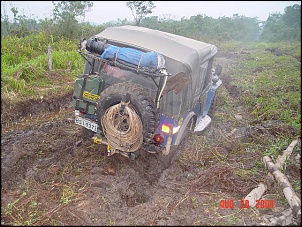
49	58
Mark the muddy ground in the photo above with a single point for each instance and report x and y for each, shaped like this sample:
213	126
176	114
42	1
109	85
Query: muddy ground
51	175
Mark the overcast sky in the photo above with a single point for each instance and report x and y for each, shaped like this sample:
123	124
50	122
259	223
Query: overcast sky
106	11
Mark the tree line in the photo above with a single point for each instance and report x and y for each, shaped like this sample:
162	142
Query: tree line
68	21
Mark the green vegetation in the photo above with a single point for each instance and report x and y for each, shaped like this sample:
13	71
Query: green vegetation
285	26
67	17
24	213
271	80
24	68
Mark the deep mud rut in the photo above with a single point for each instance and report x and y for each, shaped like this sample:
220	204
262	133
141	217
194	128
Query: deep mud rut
50	175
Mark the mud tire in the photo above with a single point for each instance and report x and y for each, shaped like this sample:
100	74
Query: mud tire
140	101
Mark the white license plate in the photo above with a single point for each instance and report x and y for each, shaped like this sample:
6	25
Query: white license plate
86	123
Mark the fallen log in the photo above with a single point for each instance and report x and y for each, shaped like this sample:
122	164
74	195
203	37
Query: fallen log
286	154
255	194
280	219
294	201
281	159
288	191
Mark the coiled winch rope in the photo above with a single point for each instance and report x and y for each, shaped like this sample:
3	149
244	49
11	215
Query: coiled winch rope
123	128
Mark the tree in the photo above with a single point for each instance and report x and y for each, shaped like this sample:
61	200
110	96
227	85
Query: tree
22	25
292	15
5	24
66	15
283	27
150	22
140	9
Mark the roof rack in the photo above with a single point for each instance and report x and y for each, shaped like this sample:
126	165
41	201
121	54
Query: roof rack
126	66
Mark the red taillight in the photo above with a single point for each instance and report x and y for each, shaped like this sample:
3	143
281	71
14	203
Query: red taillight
82	112
158	139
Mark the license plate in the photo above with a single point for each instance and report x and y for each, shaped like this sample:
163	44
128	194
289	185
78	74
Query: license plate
86	123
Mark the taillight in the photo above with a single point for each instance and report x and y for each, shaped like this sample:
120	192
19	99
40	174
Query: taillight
158	139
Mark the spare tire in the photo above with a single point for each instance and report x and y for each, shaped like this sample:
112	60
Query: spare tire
140	101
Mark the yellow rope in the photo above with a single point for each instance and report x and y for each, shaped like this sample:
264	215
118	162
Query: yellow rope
124	131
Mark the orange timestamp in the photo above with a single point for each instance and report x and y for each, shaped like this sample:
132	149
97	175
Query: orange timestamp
260	204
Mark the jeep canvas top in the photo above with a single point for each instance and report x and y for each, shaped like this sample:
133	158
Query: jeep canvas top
144	90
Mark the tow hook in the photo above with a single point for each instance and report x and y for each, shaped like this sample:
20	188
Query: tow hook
100	140
97	140
110	151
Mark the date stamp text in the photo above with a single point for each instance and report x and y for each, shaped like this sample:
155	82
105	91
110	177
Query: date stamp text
260	204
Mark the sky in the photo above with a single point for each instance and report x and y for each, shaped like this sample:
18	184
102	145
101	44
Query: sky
106	11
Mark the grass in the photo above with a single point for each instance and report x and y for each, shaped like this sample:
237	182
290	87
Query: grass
67	195
296	186
276	148
24	210
271	84
24	68
271	89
